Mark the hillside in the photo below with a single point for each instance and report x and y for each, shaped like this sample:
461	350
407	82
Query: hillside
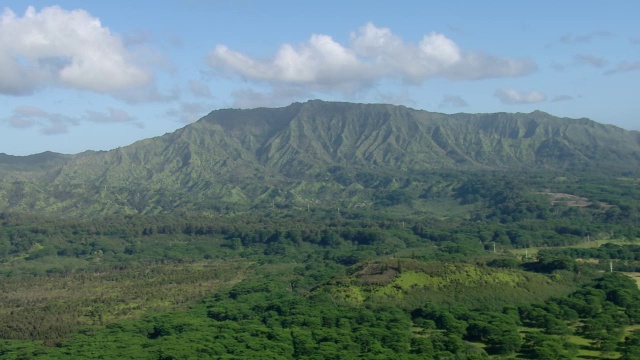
33	165
327	229
321	153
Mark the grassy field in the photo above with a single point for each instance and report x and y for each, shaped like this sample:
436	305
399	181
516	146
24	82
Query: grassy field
50	307
586	352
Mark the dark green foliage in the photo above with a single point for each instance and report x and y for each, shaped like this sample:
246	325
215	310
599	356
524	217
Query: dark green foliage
546	347
549	264
630	348
498	331
258	321
274	316
504	263
623	257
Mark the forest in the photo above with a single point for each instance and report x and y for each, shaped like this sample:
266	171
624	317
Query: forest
519	267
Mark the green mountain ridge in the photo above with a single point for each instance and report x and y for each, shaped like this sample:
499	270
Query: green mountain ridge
303	153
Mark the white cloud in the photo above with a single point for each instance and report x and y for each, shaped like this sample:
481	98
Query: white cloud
63	48
373	54
510	96
15	79
320	61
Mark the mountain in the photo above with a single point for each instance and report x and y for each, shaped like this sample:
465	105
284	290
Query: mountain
18	166
306	153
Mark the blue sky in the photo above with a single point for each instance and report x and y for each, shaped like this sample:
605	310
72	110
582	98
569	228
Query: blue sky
79	75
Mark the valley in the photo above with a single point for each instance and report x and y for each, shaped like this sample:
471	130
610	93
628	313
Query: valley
326	230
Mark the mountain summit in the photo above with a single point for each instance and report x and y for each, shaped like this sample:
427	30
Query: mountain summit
244	156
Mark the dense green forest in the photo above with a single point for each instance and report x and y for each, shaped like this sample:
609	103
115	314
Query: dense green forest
382	282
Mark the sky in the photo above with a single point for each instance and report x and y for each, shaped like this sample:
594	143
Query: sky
97	75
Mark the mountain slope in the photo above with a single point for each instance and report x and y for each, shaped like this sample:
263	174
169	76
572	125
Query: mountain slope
31	166
398	137
304	152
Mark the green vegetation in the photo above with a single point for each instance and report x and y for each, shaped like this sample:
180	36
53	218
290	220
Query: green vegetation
270	316
307	285
328	231
325	155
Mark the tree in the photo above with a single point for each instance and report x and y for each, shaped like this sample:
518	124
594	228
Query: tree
631	346
546	347
507	341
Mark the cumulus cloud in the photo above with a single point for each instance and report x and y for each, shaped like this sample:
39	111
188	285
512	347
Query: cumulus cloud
452	101
623	67
63	48
510	96
372	54
560	98
15	79
320	61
